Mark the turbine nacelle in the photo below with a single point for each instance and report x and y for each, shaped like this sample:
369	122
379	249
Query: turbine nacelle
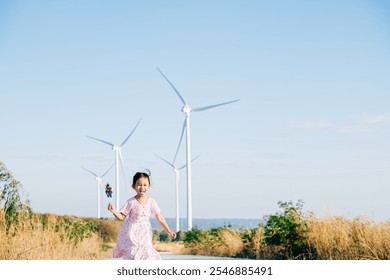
186	109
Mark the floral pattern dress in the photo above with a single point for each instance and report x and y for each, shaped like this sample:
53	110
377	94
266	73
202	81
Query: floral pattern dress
135	236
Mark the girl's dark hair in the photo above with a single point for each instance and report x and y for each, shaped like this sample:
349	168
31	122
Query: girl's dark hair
140	175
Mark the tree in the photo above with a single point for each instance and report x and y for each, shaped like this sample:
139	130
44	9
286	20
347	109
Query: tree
13	201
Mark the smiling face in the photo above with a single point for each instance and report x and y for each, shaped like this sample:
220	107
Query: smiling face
141	187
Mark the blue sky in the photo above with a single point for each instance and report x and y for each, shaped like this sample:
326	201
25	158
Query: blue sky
313	121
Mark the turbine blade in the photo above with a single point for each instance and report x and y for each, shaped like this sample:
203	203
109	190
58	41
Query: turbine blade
130	133
107	170
195	158
90	172
181	167
177	92
105	142
212	106
186	163
181	138
123	169
165	160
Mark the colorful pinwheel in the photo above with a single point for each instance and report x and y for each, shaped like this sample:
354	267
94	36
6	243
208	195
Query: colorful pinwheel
108	190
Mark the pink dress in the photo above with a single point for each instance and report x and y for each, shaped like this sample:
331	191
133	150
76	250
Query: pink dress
135	236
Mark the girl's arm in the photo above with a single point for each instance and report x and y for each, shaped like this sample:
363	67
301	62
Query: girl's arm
117	214
164	224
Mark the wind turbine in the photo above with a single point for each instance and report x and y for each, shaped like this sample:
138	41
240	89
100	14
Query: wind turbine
187	111
99	186
177	179
118	160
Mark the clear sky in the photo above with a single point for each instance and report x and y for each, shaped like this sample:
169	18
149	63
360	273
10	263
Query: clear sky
312	123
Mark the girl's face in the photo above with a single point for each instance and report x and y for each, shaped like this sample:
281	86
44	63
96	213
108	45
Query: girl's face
141	186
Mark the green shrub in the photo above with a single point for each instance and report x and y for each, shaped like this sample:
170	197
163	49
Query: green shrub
194	235
163	236
76	230
180	235
284	233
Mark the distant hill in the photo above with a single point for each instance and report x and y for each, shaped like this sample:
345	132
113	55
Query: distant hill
210	223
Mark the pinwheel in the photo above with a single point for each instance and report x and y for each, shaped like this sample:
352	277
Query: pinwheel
108	190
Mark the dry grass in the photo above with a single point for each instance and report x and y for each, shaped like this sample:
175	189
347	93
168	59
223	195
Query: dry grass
336	238
331	238
40	238
46	237
108	229
252	244
222	242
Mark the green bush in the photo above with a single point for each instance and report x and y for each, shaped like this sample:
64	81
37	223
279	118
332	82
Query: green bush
76	230
180	235
284	233
163	236
80	230
195	235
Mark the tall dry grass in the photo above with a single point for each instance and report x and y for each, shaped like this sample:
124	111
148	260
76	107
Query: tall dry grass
46	237
222	242
252	244
330	238
336	238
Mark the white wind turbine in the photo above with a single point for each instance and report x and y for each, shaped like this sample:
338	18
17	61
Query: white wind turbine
187	110
118	160
99	186
177	179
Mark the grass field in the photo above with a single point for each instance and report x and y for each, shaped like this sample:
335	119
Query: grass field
52	237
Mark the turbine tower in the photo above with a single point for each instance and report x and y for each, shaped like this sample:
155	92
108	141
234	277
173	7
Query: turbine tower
177	179
99	186
187	111
118	160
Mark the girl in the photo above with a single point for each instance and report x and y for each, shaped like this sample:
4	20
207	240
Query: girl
135	236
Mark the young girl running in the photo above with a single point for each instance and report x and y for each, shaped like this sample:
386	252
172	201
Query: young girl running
135	236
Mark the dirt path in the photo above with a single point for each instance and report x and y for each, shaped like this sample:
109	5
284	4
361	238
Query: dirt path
170	256
171	251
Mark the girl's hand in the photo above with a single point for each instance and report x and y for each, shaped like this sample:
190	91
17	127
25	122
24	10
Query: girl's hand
172	235
110	207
